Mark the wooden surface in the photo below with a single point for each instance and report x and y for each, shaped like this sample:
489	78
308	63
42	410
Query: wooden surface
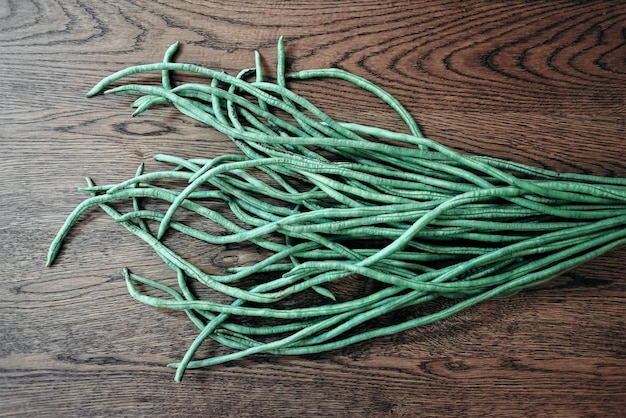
542	83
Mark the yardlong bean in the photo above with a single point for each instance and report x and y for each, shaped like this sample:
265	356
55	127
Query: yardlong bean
334	207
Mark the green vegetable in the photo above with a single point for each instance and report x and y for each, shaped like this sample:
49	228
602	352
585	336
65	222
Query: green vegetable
330	202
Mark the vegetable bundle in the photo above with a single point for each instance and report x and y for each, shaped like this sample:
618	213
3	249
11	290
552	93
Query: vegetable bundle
332	202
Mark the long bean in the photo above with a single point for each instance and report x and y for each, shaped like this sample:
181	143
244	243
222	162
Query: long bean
333	206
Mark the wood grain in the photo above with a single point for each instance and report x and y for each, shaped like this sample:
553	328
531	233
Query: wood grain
537	82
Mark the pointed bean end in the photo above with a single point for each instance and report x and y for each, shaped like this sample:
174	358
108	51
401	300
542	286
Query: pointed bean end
161	232
172	49
51	257
94	91
180	371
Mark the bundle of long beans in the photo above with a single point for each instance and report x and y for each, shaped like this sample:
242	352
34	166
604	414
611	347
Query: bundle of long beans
327	201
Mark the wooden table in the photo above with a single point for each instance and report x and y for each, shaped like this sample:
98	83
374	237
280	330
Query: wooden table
542	83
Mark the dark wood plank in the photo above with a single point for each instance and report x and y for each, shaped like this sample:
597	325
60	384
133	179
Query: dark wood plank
542	83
